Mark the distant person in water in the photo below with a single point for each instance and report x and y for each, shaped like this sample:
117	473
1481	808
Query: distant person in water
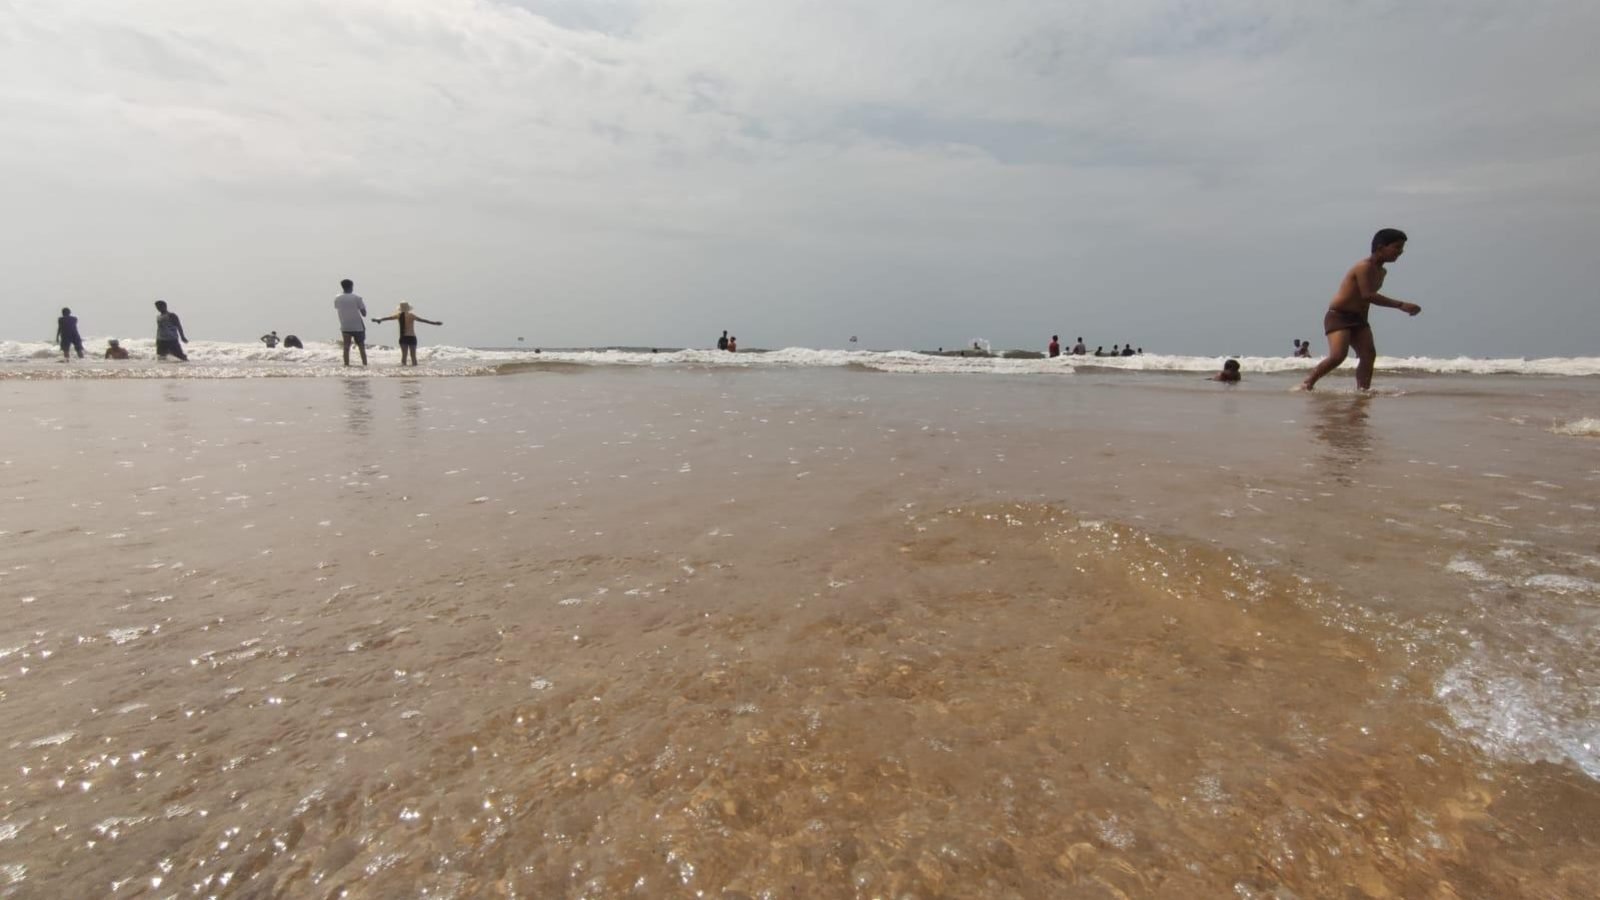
733	345
1346	320
1229	373
115	350
169	333
67	334
271	340
1100	351
408	330
292	342
1055	345
1127	349
1141	351
1079	349
352	319
722	342
1303	349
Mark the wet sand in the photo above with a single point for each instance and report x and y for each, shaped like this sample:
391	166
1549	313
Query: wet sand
793	634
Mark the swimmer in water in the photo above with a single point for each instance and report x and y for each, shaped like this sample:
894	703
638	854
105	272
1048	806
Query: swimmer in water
1229	373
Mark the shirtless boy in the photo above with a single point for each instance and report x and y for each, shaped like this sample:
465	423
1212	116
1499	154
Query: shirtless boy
1346	320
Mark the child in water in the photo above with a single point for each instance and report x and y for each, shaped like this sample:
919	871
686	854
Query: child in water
1229	373
1346	319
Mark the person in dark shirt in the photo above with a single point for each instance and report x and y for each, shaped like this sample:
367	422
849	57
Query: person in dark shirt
271	340
67	334
169	333
1127	349
1055	345
722	342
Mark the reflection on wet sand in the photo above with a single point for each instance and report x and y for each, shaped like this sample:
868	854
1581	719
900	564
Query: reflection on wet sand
1340	423
411	406
358	406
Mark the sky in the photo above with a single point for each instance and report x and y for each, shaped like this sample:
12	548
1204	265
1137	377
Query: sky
1190	176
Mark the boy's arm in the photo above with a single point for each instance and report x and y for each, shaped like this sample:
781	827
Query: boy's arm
1367	284
429	321
383	318
178	324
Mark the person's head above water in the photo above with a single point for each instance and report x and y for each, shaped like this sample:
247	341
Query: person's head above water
1231	365
114	343
405	307
65	311
1388	244
161	306
348	285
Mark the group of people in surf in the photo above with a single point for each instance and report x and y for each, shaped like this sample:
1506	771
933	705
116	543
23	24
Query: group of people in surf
170	337
1345	324
1082	349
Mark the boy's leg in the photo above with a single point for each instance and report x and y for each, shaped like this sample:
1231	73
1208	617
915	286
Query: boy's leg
177	350
361	342
1338	349
78	345
1367	353
347	349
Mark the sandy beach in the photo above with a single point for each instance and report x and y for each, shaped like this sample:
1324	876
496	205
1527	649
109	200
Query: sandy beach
835	632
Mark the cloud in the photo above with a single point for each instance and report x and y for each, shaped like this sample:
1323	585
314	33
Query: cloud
1117	153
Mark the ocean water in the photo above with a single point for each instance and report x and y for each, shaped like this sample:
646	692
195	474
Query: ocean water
322	358
613	625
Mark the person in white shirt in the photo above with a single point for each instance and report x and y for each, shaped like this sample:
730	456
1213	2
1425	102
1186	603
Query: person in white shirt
352	319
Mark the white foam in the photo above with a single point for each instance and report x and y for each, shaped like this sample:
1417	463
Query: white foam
219	359
1579	428
1460	565
1563	584
1533	716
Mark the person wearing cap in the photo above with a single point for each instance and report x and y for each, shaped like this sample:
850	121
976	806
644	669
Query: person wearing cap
408	330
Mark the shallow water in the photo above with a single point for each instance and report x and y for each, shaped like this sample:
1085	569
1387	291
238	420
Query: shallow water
798	633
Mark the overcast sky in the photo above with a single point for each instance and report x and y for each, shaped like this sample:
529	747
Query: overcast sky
1191	176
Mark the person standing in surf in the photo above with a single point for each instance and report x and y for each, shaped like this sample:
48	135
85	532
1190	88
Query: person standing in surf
169	334
352	319
67	334
1346	319
408	330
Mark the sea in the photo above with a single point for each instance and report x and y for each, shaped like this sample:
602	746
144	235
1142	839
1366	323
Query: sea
799	623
